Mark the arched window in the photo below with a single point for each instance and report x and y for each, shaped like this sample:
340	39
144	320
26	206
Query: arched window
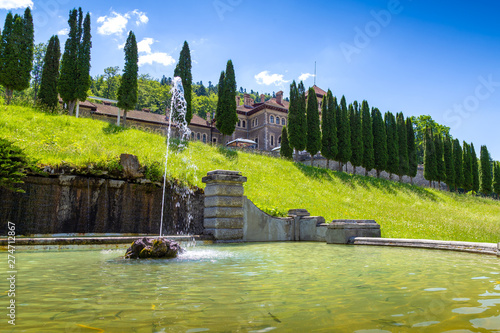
257	142
271	119
204	138
283	121
278	120
214	140
279	140
272	140
198	136
192	135
244	124
239	123
256	121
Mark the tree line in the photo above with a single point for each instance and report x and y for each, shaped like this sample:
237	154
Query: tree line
392	143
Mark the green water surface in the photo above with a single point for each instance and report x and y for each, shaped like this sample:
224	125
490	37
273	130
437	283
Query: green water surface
278	287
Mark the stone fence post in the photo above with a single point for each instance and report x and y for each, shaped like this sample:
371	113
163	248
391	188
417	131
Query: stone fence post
224	205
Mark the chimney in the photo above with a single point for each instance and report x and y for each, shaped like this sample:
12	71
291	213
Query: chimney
247	100
208	117
279	97
262	98
237	100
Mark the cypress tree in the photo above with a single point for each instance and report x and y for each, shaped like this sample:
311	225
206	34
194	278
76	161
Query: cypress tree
343	134
285	151
485	178
183	70
220	94
379	141
16	53
227	119
496	179
313	144
301	111
457	158
296	136
74	79
412	150
475	169
392	144
356	136
127	92
449	163
466	167
440	167
402	146
430	159
329	128
368	158
48	94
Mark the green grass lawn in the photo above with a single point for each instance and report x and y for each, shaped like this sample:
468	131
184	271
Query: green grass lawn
273	184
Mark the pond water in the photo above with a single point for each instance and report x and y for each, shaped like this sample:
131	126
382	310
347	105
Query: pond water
281	287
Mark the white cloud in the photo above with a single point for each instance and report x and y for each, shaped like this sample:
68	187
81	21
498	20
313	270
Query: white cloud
13	4
141	17
158	57
116	23
63	32
305	76
145	45
267	79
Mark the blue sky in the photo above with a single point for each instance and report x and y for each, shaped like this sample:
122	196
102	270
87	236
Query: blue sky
419	57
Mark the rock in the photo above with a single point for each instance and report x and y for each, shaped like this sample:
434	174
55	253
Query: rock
158	247
131	166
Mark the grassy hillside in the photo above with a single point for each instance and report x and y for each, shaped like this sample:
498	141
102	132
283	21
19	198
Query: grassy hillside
402	210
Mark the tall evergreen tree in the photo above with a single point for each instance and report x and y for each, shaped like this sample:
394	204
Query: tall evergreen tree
74	80
16	53
226	122
475	169
50	74
392	144
402	146
457	158
430	163
485	179
449	163
220	98
301	97
343	134
183	70
313	144
356	135
368	158
296	119
466	167
496	179
127	92
412	150
329	128
440	167
285	151
379	141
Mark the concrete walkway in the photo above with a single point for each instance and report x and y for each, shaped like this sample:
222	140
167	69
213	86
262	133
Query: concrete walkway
484	248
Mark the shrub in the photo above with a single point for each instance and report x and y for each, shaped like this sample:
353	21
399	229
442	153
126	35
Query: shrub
12	164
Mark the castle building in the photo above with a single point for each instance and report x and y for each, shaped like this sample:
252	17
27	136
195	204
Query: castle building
261	121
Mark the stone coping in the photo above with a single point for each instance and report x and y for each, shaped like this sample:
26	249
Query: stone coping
484	248
350	225
28	241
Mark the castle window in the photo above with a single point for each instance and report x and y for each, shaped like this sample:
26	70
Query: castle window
278	120
244	124
279	140
239	123
257	142
204	138
198	136
271	119
283	121
214	140
272	140
192	135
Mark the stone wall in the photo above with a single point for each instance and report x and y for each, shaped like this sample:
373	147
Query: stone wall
74	204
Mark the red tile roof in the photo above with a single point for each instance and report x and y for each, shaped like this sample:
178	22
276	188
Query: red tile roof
317	90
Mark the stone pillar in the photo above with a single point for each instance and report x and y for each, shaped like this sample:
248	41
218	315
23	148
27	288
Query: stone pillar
297	215
224	205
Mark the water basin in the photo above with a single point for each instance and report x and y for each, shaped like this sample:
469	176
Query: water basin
261	287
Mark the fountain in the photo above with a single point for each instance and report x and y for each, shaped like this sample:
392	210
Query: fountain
161	247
